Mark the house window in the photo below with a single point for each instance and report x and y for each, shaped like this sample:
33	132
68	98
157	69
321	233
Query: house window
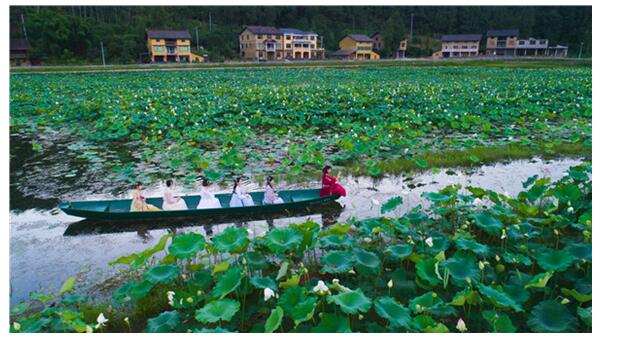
520	43
464	46
542	42
455	47
287	37
474	46
260	46
312	38
183	40
183	49
288	46
260	36
532	42
158	40
159	49
312	45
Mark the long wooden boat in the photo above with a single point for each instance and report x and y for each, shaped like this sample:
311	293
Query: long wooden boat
121	209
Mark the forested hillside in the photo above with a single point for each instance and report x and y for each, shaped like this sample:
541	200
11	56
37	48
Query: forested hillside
72	34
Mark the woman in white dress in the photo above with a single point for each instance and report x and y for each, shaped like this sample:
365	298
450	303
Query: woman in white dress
270	196
208	200
171	202
240	197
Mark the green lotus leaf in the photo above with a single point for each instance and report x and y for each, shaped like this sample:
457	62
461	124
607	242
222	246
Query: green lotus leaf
140	289
396	314
404	283
540	280
351	302
567	192
264	282
292	297
280	240
577	296
500	322
337	261
425	269
391	204
202	279
463	267
422	163
231	240
487	223
165	322
309	231
436	197
551	316
424	302
218	310
227	282
580	250
585	315
163	273
187	245
274	320
421	322
474	246
400	251
304	310
294	280
331	323
336	241
517	292
415	217
554	259
256	260
499	298
217	329
367	262
439	328
68	285
514	258
123	293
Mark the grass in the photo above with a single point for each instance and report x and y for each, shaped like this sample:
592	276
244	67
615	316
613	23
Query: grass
518	63
476	156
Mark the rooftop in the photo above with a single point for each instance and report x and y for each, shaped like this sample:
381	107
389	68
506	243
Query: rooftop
503	32
263	30
295	31
360	38
20	44
168	34
342	52
461	37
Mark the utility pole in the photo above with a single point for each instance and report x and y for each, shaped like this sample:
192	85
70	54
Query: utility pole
102	53
23	26
411	28
209	21
197	37
580	50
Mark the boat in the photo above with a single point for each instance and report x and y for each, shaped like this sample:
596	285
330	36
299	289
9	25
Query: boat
121	209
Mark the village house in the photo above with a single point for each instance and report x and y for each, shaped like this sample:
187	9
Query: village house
169	46
532	47
301	45
356	47
402	48
19	52
378	42
501	42
460	45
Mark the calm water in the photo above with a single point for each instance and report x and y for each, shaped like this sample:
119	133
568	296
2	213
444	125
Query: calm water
47	246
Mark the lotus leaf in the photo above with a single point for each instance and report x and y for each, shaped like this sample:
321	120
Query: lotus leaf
585	315
399	251
577	296
424	302
264	282
280	240
425	269
231	240
256	260
463	268
551	316
367	262
218	310
187	245
335	241
163	273
274	320
228	282
333	324
165	322
499	298
396	314
351	302
487	223
291	297
540	280
391	204
500	322
304	310
554	260
474	246
337	261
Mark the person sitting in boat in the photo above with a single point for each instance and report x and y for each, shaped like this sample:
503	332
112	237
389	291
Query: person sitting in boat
270	196
208	200
329	183
139	201
171	202
240	197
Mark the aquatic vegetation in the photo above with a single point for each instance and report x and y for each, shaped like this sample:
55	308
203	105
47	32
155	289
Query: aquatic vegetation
256	121
475	260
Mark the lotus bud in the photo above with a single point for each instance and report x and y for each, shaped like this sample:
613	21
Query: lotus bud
418	307
199	292
189	300
390	284
497	258
481	265
517	227
89	329
503	234
460	325
268	293
468	279
429	241
570	209
352	272
367	239
244	261
556	231
500	268
16	326
565	301
126	320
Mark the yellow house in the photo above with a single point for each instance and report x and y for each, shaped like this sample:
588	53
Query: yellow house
169	46
356	47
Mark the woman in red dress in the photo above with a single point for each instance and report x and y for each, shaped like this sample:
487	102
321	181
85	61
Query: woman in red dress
329	185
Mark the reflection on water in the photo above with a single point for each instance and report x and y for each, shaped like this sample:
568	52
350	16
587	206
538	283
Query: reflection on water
47	247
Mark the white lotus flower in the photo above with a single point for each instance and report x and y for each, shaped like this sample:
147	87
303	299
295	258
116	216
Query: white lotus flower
101	320
460	325
390	284
478	202
268	293
170	297
429	241
570	209
375	201
321	288
16	326
126	319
